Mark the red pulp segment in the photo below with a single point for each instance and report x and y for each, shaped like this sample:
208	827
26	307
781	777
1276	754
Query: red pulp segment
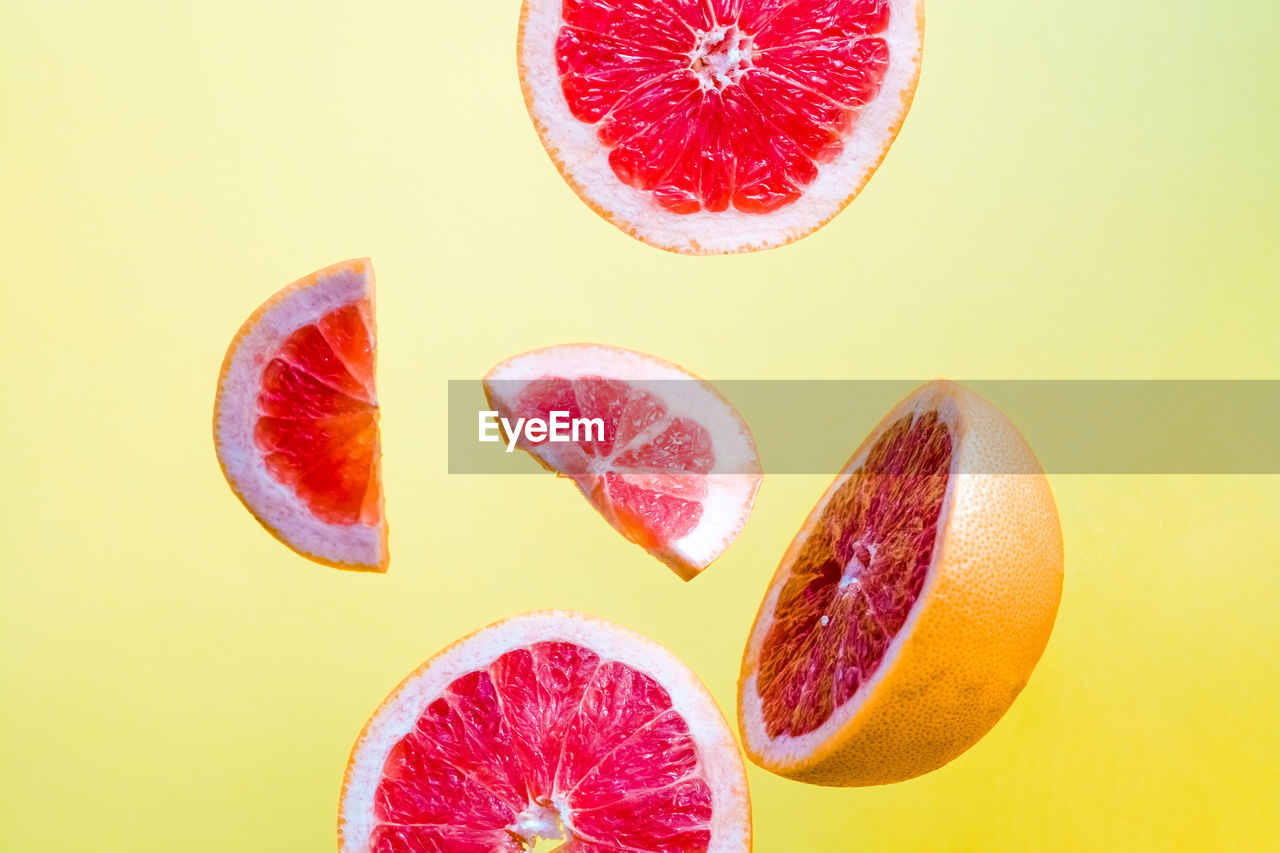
643	468
856	578
317	424
546	734
708	104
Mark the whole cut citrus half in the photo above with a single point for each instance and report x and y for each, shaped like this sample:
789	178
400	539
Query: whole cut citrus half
551	725
912	606
658	452
708	126
295	421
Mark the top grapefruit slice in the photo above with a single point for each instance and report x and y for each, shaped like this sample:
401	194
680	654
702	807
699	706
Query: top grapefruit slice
295	422
551	725
708	126
912	606
672	467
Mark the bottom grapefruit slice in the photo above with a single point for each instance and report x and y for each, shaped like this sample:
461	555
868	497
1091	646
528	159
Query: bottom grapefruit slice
912	606
295	421
672	466
551	725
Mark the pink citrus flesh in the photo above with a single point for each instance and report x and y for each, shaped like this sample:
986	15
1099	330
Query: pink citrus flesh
644	487
296	418
673	466
855	581
317	424
552	726
719	125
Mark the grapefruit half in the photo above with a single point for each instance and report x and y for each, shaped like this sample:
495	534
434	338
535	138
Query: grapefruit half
295	420
709	126
551	725
913	604
672	467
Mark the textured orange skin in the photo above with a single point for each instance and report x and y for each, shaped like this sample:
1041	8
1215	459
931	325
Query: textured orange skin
982	624
417	673
908	95
281	297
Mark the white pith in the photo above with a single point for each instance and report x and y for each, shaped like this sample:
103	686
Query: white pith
718	68
730	486
542	822
788	748
274	503
718	757
584	160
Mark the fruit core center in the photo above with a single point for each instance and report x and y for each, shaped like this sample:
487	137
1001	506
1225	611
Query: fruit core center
859	563
721	57
547	821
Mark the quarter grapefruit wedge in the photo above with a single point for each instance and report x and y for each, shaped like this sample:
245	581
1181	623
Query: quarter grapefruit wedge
709	126
551	725
672	466
295	421
912	606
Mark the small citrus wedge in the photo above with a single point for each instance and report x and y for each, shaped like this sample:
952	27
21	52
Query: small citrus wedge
912	605
295	420
551	725
672	466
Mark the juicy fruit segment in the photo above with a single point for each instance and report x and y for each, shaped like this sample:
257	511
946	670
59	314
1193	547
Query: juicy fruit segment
638	474
295	421
708	105
318	417
546	733
658	452
856	579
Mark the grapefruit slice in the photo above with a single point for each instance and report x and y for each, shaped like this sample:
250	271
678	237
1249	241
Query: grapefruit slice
912	606
295	421
672	466
550	725
709	126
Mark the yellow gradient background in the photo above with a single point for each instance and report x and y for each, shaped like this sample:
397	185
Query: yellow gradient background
1079	191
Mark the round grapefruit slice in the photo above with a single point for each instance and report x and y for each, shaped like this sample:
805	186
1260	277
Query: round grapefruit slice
551	725
661	455
710	126
912	606
295	421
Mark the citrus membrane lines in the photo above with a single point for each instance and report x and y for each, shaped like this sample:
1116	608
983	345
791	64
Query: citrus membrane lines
653	456
296	418
483	742
316	418
857	578
685	105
